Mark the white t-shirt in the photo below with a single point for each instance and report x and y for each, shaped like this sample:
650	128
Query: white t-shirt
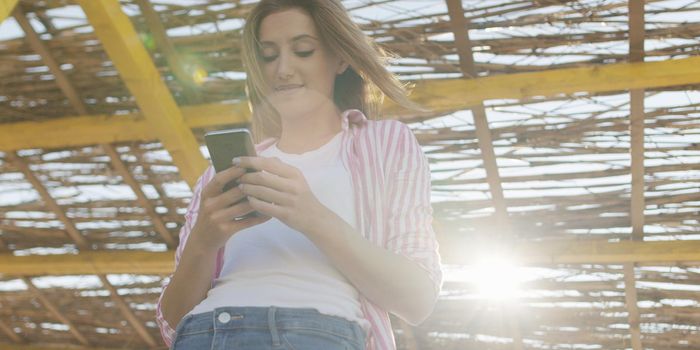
273	265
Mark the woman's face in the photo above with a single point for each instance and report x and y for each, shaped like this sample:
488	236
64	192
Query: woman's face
298	68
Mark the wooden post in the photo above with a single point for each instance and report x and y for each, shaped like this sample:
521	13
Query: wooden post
636	54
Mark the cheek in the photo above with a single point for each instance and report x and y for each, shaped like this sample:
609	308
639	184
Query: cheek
323	76
268	72
268	76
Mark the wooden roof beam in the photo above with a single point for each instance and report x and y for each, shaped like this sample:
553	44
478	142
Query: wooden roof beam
6	7
99	129
460	29
89	263
53	310
143	80
38	46
457	250
503	229
632	308
454	251
635	15
3	245
455	94
143	201
157	185
10	333
128	313
175	62
72	232
445	95
636	47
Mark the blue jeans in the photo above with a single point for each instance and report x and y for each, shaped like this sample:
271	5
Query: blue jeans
263	328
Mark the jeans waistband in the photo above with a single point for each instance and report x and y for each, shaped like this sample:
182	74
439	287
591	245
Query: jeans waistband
272	318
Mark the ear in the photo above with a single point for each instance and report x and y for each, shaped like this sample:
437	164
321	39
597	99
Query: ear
342	67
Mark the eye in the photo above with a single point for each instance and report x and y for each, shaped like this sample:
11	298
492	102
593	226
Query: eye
304	53
270	58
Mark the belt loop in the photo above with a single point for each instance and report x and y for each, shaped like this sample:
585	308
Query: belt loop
272	323
214	326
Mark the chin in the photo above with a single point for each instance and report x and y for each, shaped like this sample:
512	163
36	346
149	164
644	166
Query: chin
296	108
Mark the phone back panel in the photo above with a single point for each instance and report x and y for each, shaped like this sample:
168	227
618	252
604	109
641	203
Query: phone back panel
224	145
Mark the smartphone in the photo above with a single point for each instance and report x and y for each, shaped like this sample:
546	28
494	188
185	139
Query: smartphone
224	145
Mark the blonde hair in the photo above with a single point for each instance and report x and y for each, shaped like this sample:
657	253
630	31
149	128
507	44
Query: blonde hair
362	86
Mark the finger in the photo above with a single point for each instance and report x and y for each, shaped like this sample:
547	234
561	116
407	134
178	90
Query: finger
227	198
233	211
266	194
268	180
238	225
266	208
220	179
270	165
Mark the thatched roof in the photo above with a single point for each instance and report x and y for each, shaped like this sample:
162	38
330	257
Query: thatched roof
535	143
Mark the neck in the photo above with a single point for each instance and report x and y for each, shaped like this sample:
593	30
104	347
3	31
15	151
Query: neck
310	131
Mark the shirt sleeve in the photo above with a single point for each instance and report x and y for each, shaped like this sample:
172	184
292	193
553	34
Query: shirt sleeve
166	331
409	212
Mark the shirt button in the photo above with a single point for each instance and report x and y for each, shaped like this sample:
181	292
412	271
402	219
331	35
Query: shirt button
224	317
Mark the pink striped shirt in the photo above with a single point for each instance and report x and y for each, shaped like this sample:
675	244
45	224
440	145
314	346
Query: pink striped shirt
391	182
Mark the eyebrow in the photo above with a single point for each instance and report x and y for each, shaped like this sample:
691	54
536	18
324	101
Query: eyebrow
296	38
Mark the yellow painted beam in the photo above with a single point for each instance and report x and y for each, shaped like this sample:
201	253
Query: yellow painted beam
165	46
436	94
457	251
96	129
88	263
453	252
6	7
143	80
453	94
603	252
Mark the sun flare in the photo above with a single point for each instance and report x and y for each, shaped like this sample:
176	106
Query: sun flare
494	277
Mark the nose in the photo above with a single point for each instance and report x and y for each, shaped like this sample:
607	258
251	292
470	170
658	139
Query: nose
285	69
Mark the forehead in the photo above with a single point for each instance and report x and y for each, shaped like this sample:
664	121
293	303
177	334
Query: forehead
285	25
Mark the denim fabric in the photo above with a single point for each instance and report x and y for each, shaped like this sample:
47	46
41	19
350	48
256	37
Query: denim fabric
263	328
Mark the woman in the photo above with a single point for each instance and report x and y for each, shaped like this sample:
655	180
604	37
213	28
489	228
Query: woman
344	235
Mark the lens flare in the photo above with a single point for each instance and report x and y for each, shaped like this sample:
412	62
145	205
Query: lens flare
493	277
199	76
148	41
496	278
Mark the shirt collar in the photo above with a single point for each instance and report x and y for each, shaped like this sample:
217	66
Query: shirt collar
352	116
349	116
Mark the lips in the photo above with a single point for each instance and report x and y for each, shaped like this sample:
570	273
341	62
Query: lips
288	87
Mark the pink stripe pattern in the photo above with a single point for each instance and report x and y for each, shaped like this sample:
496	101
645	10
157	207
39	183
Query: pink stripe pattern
391	182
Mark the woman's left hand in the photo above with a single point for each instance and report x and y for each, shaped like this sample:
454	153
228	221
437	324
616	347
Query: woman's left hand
280	190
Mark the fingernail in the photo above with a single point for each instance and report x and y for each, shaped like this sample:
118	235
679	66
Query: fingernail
236	161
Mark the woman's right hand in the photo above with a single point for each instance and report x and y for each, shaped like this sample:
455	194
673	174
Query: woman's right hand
216	221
